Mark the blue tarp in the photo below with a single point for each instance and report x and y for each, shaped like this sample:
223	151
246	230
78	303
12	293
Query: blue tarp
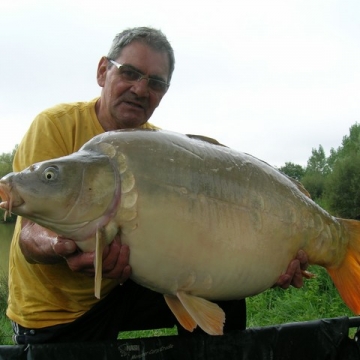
325	339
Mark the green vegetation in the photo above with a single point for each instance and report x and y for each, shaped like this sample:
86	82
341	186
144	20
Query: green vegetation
317	299
333	183
5	326
6	160
147	333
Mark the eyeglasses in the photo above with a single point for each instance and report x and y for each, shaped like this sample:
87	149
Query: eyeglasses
129	74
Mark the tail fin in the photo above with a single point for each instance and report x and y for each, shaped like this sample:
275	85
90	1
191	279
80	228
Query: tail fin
346	276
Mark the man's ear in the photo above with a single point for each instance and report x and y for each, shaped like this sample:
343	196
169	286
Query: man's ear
102	70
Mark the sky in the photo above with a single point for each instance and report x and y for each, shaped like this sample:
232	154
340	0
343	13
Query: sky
271	78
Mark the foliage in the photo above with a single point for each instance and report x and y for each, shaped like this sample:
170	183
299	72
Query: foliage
333	181
317	162
314	183
6	160
293	170
343	190
350	143
315	173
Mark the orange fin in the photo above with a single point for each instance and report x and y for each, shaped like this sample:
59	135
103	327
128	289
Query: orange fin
346	276
209	316
99	248
180	313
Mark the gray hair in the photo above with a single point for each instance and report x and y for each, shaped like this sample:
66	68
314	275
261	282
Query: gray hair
149	36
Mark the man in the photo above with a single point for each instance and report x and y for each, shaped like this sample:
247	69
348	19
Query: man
51	296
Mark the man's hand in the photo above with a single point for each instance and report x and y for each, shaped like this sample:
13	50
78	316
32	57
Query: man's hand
42	246
295	272
115	259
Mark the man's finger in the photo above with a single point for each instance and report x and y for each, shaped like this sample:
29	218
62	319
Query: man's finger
64	247
302	257
122	269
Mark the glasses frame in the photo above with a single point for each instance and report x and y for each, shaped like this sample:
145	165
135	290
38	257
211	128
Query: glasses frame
142	76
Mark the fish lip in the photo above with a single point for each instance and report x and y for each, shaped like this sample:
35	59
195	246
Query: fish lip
9	201
5	194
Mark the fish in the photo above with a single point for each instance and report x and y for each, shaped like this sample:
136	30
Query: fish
204	222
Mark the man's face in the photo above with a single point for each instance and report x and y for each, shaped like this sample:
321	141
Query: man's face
125	104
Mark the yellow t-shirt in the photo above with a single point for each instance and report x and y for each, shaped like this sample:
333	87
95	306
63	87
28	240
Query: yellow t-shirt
45	295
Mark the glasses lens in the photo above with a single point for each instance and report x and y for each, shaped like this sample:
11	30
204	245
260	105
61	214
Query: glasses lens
129	74
157	85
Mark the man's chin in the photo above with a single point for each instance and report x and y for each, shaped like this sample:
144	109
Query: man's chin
131	123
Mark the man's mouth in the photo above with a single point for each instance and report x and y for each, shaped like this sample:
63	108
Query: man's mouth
135	104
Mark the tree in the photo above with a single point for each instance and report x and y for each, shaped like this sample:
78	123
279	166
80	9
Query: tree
333	181
315	173
292	170
331	160
350	143
317	162
342	190
6	160
342	187
314	183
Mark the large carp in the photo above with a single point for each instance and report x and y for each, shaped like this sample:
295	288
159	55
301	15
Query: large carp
203	222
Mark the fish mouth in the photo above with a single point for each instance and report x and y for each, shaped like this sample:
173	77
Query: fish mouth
9	201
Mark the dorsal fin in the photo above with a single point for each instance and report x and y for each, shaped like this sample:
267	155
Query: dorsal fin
299	185
205	138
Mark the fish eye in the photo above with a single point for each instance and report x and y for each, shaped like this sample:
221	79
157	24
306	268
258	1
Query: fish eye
50	173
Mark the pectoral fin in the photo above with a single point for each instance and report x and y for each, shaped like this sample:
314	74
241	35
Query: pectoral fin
99	248
191	310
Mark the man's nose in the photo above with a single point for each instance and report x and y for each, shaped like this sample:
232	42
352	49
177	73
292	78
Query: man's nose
141	88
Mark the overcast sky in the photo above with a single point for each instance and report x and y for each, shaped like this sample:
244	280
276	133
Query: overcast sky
270	78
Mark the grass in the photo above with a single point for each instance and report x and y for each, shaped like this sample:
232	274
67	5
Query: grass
5	326
147	333
316	300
